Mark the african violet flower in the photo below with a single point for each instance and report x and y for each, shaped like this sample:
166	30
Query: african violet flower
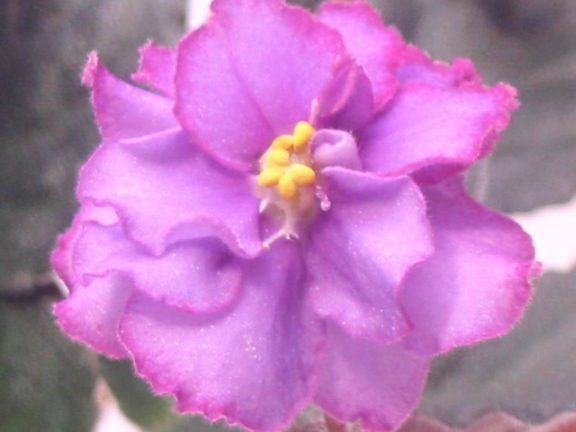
279	219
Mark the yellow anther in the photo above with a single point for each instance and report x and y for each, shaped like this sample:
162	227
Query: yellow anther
302	134
270	176
301	174
285	142
277	156
287	188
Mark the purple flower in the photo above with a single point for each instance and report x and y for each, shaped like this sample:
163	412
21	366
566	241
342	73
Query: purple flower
280	219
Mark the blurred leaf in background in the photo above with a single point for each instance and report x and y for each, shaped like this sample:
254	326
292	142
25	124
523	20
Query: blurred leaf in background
46	382
46	130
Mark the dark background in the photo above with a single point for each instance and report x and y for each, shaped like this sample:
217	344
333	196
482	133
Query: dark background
46	130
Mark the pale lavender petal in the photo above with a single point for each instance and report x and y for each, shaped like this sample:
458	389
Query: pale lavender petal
435	131
376	47
477	283
377	385
200	275
418	67
361	248
123	110
91	312
346	103
335	148
252	365
165	190
157	68
61	258
234	73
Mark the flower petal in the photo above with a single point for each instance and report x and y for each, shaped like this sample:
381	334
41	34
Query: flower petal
91	312
436	131
157	68
251	365
234	73
359	380
346	103
477	283
200	275
123	110
332	147
417	68
165	190
375	47
360	249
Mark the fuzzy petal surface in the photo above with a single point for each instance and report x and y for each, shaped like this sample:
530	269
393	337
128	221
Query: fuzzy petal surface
251	366
436	131
157	68
377	385
347	102
376	47
254	70
165	190
123	110
91	312
418	68
361	248
477	283
335	148
200	275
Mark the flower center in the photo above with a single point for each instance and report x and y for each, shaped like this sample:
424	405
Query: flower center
287	179
286	165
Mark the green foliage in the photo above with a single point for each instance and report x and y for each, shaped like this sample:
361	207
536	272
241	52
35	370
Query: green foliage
46	381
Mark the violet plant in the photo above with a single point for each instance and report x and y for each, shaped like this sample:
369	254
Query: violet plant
277	217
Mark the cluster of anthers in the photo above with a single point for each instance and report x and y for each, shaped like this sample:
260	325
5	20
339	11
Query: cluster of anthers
286	177
286	164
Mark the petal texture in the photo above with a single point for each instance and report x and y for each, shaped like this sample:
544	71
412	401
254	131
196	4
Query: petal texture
157	68
417	68
92	310
477	283
346	102
335	148
165	190
360	249
251	366
375	47
436	131
123	110
359	380
200	275
234	73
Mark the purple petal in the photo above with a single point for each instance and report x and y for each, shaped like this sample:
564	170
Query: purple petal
61	258
436	131
251	365
165	190
361	248
234	73
375	47
417	68
477	283
157	68
359	380
92	310
122	110
346	103
201	275
335	148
